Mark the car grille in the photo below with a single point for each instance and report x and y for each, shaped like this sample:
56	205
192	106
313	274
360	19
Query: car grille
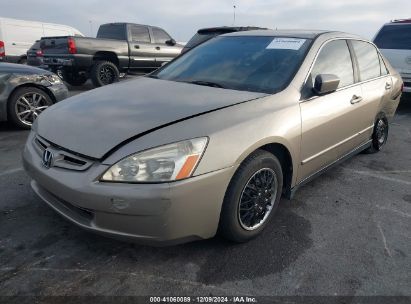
61	158
407	84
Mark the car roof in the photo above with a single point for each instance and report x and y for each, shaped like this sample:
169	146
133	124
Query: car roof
399	21
229	29
305	34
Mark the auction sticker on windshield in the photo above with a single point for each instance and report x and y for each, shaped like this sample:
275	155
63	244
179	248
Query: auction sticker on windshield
286	43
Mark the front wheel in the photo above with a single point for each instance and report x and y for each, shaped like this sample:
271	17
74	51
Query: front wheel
26	104
379	135
252	197
104	73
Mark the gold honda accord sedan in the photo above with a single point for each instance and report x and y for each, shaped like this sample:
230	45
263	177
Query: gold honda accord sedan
212	140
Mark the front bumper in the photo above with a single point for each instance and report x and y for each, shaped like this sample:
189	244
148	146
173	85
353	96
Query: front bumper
154	214
59	91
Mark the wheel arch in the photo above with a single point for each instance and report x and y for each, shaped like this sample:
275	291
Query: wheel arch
282	151
32	85
107	56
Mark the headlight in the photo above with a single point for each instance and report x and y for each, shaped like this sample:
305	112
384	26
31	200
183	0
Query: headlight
50	79
166	163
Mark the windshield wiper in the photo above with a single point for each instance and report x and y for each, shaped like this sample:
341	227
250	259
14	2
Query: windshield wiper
206	83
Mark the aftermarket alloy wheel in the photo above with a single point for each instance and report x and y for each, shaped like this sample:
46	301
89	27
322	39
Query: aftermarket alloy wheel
104	73
252	197
379	135
26	104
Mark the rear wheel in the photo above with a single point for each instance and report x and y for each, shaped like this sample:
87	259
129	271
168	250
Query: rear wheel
104	73
379	135
26	104
252	197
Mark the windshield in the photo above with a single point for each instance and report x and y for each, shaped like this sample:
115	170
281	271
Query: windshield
199	38
247	63
394	37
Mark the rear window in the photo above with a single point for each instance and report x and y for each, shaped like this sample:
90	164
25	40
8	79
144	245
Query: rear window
394	37
112	31
368	60
199	38
140	33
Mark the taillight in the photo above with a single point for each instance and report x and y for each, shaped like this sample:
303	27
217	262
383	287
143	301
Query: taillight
39	53
72	49
2	49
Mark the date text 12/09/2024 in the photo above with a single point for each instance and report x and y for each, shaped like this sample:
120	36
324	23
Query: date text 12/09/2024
208	299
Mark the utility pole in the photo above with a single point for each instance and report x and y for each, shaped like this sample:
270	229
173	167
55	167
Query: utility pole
234	7
91	28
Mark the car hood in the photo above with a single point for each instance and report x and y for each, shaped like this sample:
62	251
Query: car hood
14	68
95	122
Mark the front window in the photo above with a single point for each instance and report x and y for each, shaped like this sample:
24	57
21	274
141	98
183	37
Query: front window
334	58
247	63
160	36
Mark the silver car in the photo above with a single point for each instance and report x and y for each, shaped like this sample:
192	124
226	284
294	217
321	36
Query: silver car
212	140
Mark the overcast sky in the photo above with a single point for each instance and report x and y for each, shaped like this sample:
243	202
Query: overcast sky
181	18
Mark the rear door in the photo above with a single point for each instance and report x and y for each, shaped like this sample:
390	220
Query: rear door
331	124
163	51
375	81
142	52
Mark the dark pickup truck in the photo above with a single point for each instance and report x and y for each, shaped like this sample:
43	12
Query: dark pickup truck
118	48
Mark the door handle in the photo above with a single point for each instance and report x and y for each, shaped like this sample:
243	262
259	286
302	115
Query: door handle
387	86
157	48
13	43
355	99
136	46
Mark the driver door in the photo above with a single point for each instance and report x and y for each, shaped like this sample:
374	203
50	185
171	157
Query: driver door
329	123
163	51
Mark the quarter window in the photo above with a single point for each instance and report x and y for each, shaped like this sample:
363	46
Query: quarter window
160	36
140	34
368	61
335	58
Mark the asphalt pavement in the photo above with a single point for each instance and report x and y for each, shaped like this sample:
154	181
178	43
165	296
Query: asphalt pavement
347	233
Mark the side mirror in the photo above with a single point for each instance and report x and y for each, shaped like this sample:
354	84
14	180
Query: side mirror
171	42
326	83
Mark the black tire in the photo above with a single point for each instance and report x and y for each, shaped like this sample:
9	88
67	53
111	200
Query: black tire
13	107
231	225
379	135
104	73
23	60
73	79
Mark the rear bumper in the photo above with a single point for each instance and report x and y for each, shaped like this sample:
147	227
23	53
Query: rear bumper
11	59
153	214
406	78
77	61
34	61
